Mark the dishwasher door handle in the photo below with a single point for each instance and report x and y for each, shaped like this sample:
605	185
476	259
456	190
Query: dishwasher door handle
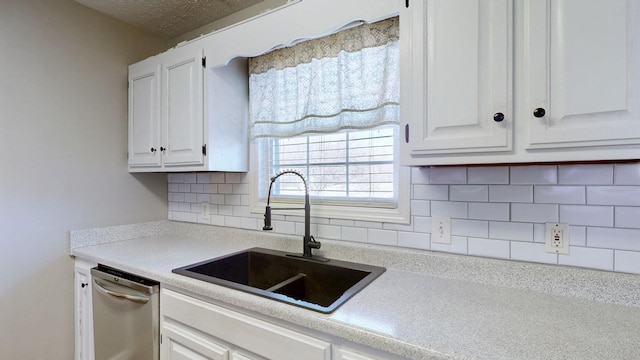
133	298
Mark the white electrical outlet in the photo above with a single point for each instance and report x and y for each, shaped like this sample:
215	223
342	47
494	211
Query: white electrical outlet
557	238
204	212
441	229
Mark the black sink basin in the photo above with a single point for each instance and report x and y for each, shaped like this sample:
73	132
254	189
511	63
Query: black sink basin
319	286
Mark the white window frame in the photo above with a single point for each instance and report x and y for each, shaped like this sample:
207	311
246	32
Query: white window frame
399	215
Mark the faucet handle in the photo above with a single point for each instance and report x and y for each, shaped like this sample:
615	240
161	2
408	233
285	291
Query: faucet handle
267	219
313	243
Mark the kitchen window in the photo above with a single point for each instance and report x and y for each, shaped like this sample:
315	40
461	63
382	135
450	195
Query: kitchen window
329	108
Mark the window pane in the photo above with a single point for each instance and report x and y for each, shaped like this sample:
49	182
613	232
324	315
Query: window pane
354	165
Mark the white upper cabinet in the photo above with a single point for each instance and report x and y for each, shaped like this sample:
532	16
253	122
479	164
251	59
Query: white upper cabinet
182	106
184	116
564	73
582	67
457	60
144	113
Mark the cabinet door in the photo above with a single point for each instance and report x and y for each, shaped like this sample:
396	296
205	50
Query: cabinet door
179	342
182	106
144	114
83	311
251	337
457	64
582	66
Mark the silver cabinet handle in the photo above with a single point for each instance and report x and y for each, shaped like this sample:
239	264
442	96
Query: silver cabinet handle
133	298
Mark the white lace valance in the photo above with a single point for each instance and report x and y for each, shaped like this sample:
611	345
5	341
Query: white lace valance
349	80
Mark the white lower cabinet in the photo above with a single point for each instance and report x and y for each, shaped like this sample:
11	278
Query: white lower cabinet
83	310
195	329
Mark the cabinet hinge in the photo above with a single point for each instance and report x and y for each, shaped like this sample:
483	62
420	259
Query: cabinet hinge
204	149
406	133
204	61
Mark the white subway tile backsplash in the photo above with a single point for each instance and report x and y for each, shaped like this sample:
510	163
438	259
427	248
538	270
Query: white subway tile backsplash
217	178
549	194
175	177
383	237
210	188
488	175
226	210
586	215
537	213
203	198
420	208
414	240
241	189
539	233
534	175
496	211
610	238
354	234
431	192
232	199
586	257
489	211
203	178
627	217
190	178
419	175
329	231
284	227
534	252
577	235
627	261
469	193
233	178
368	224
421	224
225	188
489	248
448	175
190	197
217	199
449	208
511	193
397	227
511	231
475	228
613	195
458	245
342	222
627	174
585	174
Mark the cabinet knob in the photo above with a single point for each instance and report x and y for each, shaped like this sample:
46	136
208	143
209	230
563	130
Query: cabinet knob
539	112
498	117
162	148
84	284
153	150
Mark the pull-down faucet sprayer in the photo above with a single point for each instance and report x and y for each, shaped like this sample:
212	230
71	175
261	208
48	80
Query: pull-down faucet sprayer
308	242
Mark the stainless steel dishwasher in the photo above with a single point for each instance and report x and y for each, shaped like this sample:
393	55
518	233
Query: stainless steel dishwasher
126	315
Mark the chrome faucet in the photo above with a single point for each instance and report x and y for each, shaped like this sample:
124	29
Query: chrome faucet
308	242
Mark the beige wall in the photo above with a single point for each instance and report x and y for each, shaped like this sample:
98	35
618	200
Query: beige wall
63	129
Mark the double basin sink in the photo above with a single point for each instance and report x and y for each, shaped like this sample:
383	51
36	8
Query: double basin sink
317	285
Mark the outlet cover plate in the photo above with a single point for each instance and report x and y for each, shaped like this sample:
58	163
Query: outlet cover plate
556	238
441	229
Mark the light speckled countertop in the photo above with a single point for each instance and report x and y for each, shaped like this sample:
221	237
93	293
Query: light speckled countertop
425	306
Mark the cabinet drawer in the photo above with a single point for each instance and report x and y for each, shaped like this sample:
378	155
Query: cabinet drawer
257	336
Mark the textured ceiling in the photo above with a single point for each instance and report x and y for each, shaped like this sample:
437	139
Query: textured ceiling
168	18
